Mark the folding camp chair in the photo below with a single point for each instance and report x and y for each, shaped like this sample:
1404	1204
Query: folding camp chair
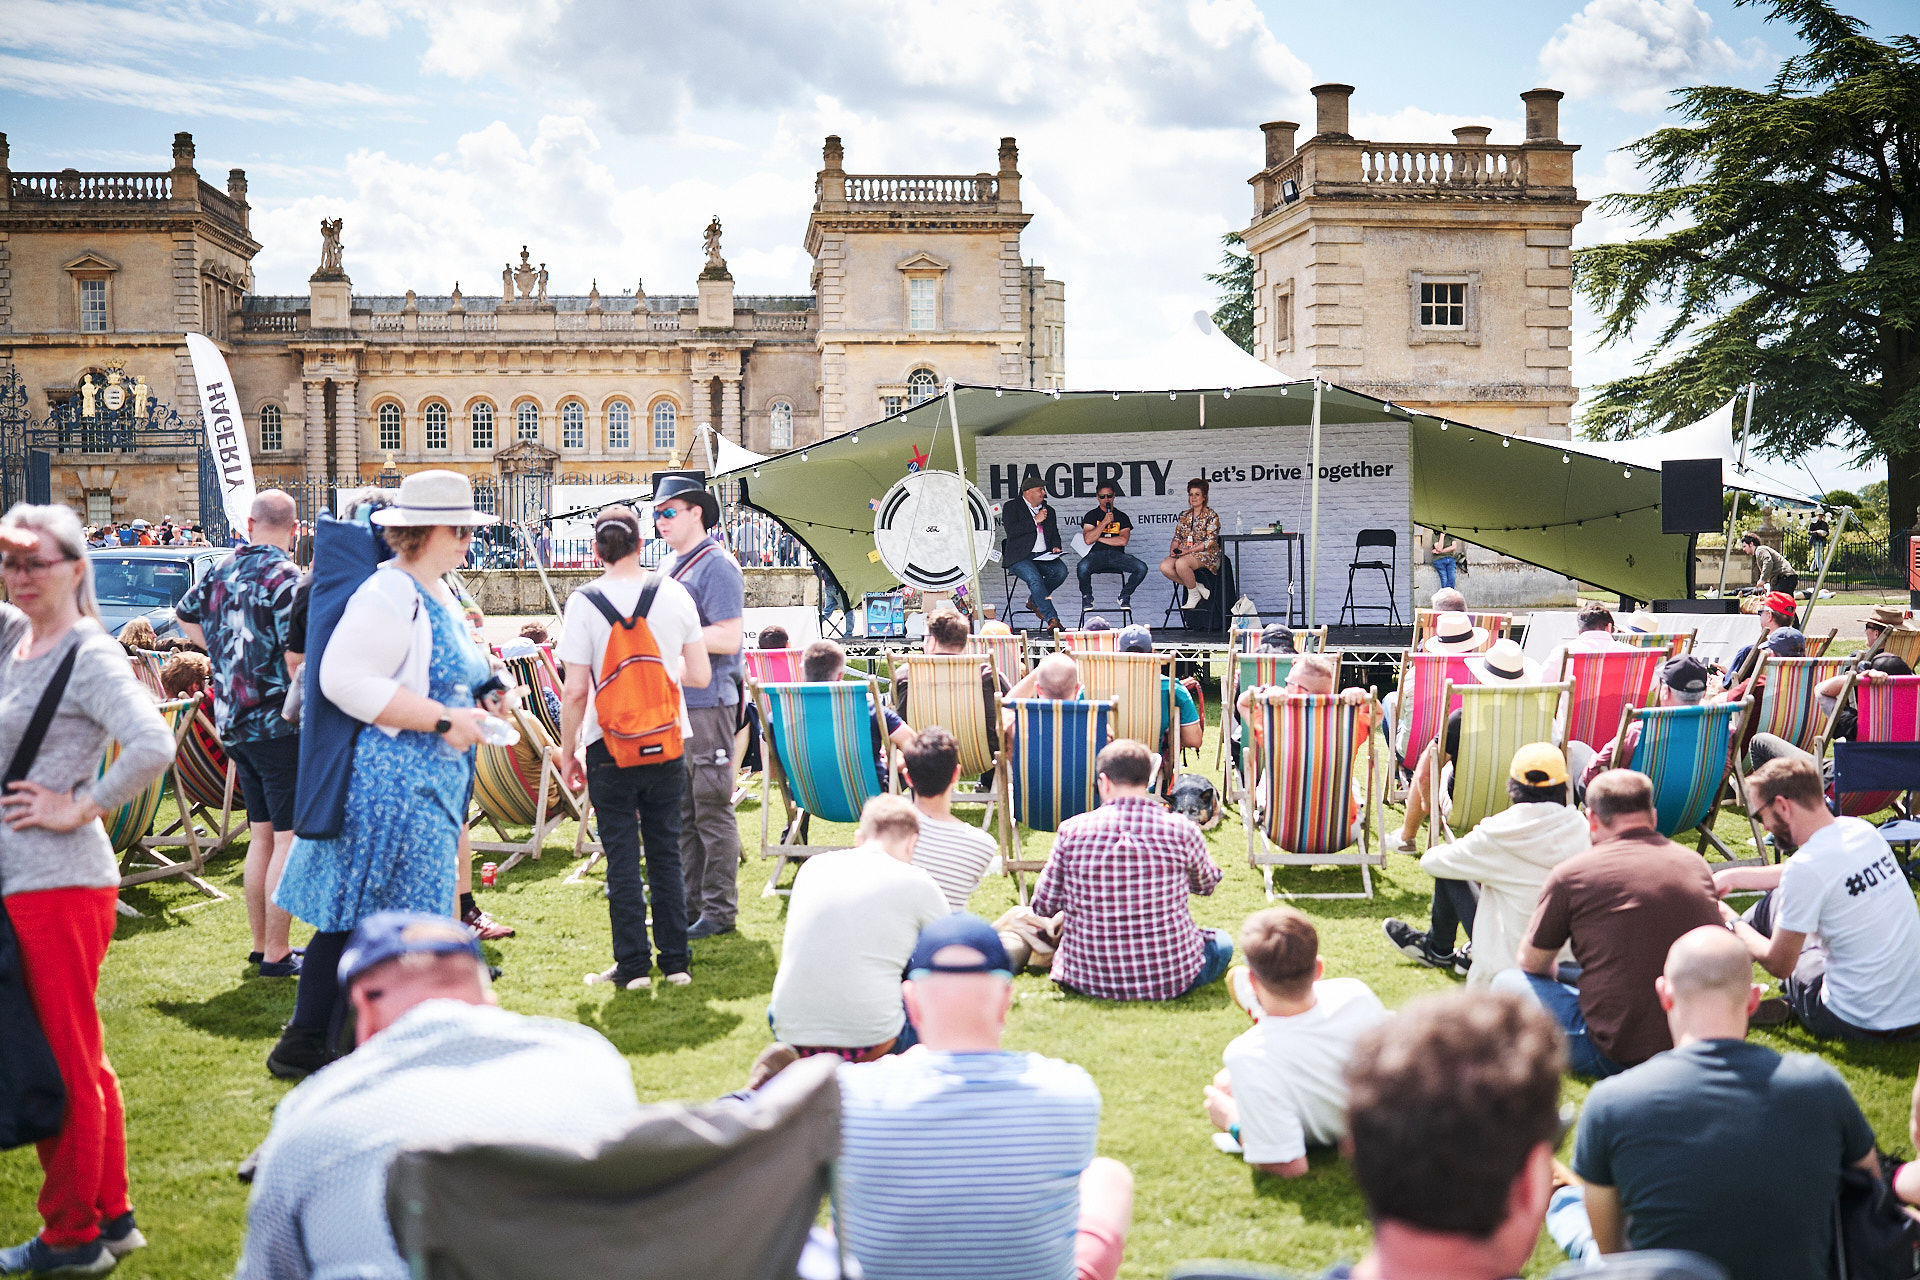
1496	625
1674	642
1300	810
774	666
1254	671
1089	641
1605	684
948	690
536	674
1050	770
822	752
1009	652
1687	751
1141	691
204	786
1888	714
127	826
522	785
1788	708
1495	722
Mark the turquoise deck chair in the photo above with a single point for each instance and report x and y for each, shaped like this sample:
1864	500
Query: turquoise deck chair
823	755
1687	752
1052	754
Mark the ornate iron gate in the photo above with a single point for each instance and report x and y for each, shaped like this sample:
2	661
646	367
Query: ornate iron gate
15	419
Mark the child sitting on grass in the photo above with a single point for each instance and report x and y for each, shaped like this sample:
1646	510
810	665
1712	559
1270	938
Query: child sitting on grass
1283	1088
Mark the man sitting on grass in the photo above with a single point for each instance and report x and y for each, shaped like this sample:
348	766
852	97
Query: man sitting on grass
964	1159
437	1062
1283	1088
956	854
1121	874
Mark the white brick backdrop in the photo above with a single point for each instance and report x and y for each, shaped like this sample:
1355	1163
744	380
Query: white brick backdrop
1258	475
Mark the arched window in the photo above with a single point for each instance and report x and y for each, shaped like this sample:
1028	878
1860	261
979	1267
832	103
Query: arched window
780	425
665	417
272	440
920	386
619	425
389	428
526	420
480	423
573	425
436	425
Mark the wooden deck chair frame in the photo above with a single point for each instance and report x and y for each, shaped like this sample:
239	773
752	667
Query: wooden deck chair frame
1868	802
1904	645
1328	806
552	802
1011	654
1593	715
773	776
144	847
1015	779
146	669
1497	625
223	826
1674	642
533	672
938	688
1238	667
1481	770
1718	782
1128	714
1817	645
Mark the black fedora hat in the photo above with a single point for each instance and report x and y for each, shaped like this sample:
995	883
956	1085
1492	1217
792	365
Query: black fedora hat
688	489
1031	479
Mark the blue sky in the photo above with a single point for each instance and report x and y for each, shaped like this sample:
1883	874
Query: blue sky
604	133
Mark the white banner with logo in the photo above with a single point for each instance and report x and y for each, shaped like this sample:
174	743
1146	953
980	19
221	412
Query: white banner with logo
226	430
1258	475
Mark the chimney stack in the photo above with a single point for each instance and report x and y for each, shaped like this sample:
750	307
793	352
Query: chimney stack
1330	110
1543	114
1279	135
1009	175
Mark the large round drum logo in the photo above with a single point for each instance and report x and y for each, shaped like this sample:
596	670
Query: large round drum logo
933	530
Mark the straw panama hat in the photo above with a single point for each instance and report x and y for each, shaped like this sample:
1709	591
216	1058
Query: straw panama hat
1888	619
1504	663
1455	633
433	497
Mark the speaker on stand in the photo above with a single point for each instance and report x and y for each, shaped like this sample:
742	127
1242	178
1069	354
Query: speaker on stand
1690	502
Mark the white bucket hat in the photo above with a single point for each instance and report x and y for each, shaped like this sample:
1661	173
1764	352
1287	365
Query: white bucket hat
1455	633
433	497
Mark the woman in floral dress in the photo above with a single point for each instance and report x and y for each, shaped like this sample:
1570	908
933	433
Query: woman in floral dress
1196	544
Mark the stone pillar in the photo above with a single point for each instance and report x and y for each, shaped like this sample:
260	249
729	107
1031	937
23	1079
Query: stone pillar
1330	110
346	427
1009	174
1279	137
313	432
186	182
833	176
237	192
1543	114
731	427
6	167
1471	135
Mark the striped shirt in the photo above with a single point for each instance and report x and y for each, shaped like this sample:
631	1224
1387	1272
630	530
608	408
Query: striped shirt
964	1165
955	854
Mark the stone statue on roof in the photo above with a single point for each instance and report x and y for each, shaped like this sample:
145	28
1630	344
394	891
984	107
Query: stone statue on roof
330	244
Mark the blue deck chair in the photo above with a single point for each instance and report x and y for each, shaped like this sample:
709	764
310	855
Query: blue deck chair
1050	778
1687	751
823	755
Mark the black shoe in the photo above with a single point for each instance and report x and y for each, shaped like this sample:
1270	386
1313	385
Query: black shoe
255	957
1416	945
299	1053
1772	1012
1086	604
705	928
287	968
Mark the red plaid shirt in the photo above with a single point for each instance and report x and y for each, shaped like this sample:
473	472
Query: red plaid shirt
1122	874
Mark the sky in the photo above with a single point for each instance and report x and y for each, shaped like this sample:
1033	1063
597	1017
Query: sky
603	134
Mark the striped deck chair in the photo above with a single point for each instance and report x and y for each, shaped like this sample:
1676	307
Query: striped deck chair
1889	714
1674	642
1302	775
1817	645
1494	723
1305	639
127	826
1049	774
1788	708
205	788
773	666
535	673
822	752
1142	695
1256	671
947	690
1687	751
1009	653
520	785
1904	645
146	669
1089	641
1604	685
1425	700
1496	626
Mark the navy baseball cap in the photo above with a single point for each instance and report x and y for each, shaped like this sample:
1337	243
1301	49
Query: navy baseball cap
959	930
1134	639
388	935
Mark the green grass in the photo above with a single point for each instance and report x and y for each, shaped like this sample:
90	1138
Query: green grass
188	1030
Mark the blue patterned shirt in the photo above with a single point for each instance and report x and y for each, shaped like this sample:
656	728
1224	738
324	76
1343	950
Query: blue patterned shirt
245	607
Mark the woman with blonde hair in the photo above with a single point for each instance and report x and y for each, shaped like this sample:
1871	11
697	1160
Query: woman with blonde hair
136	635
66	692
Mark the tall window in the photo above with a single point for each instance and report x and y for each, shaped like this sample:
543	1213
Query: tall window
780	425
920	302
93	306
1443	306
436	425
480	423
619	425
665	417
573	425
1283	317
272	439
389	428
920	386
526	420
99	506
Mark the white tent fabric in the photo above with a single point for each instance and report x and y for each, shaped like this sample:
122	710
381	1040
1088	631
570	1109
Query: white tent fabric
723	455
1711	437
1194	355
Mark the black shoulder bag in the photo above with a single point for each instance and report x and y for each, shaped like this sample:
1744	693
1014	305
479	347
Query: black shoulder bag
33	1101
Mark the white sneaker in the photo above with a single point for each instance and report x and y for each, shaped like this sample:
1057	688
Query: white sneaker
640	983
681	979
1390	842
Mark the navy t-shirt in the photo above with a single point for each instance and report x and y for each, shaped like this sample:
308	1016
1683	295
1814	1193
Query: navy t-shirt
1753	1182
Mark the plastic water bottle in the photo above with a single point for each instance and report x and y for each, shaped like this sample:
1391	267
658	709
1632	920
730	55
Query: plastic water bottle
497	732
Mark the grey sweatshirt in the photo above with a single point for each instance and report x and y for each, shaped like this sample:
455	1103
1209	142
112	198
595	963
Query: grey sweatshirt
103	703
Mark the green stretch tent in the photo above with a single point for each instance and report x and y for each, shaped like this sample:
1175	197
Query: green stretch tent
1588	518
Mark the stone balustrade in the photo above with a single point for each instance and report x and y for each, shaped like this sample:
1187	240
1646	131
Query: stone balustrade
71	184
1395	164
922	189
437	316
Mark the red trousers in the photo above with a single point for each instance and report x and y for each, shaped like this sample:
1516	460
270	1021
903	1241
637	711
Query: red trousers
63	941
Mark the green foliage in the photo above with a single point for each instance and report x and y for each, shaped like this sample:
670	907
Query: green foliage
1778	225
1838	498
1235	278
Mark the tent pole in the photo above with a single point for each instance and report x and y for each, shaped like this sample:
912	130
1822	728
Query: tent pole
1820	579
1313	519
1740	467
960	469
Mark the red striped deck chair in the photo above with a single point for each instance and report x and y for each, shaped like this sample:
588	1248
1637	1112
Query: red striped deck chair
141	858
535	674
205	788
1817	645
821	751
1141	691
774	666
1009	653
146	669
1888	712
1049	775
1256	671
1495	722
1687	752
1604	685
1425	699
521	785
1496	625
1788	708
948	690
1301	777
1674	643
1107	641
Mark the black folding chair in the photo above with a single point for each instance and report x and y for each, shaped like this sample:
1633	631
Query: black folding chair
1389	572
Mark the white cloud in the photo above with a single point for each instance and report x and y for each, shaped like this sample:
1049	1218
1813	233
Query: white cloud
63	26
1416	124
1637	52
179	96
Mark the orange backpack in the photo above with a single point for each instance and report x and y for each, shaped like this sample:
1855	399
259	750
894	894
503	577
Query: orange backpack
636	702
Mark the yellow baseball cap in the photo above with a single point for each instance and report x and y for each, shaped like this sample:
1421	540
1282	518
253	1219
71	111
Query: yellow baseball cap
1539	764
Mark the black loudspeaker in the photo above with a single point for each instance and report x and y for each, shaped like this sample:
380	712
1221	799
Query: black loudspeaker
1729	605
1690	496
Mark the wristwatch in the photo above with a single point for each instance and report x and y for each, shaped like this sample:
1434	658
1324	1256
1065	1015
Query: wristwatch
442	725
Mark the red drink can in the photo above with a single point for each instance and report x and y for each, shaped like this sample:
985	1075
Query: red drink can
489	872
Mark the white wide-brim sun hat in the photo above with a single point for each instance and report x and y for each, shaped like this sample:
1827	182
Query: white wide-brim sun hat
433	497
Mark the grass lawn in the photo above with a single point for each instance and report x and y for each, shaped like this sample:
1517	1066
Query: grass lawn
188	1030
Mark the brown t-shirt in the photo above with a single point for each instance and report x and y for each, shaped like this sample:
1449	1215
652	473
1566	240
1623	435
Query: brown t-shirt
1622	904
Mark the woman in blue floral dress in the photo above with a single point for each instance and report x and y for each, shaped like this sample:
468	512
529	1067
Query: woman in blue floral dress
403	662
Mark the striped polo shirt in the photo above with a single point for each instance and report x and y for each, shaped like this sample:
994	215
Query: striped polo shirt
964	1165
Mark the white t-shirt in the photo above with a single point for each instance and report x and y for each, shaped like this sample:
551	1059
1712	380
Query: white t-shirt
1289	1074
956	855
852	923
1844	886
672	617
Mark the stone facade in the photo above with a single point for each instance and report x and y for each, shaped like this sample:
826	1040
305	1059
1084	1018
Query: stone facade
1437	277
916	280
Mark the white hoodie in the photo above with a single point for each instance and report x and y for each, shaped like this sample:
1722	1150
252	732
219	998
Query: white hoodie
1509	854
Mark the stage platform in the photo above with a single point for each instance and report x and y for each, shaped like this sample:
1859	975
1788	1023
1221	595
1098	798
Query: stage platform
1362	646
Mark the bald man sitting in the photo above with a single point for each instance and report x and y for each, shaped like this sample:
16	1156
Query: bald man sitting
1753	1186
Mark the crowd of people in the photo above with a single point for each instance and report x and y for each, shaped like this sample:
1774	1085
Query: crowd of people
1590	943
